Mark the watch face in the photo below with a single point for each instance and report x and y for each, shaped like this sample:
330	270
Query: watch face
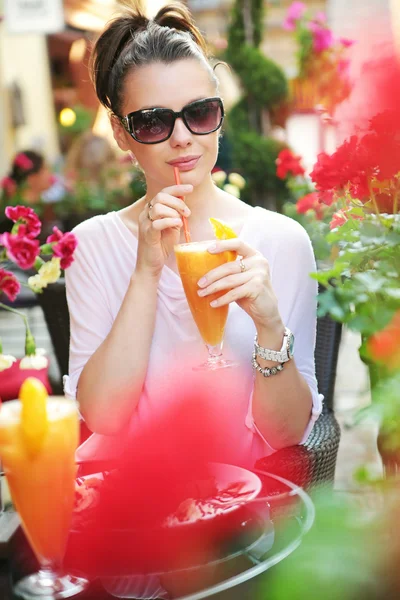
291	344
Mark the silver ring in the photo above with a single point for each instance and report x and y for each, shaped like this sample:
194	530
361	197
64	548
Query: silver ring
242	265
149	216
150	205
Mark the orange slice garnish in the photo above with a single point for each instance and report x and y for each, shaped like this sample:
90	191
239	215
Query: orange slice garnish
222	231
34	420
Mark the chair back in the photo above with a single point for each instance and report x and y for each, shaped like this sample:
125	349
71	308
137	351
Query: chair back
53	301
329	333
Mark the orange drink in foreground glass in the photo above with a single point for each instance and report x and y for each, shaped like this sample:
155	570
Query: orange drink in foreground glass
38	439
194	261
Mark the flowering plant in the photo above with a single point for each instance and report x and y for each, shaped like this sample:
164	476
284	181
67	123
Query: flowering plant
362	181
305	205
322	59
22	248
232	183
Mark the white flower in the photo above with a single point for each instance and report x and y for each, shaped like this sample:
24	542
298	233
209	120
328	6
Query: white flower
48	273
219	177
232	189
238	180
6	361
35	361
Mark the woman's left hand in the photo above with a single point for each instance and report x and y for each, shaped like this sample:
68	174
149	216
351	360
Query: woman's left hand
250	286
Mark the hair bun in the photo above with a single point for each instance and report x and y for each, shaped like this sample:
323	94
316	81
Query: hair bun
177	16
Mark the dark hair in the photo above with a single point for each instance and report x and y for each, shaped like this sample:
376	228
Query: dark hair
133	40
20	170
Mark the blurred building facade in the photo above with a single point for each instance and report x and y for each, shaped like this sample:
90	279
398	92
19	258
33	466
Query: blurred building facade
32	65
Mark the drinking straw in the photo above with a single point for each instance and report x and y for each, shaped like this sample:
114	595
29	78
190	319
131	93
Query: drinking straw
184	219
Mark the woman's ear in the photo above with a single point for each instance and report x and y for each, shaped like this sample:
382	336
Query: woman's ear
119	133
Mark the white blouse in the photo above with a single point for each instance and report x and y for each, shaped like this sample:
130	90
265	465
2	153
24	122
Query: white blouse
97	282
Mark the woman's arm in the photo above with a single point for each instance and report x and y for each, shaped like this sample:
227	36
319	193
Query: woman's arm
110	357
112	380
282	403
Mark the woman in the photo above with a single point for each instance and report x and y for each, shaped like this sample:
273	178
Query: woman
31	175
130	323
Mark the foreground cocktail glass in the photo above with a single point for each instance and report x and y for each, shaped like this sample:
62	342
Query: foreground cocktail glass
41	476
194	261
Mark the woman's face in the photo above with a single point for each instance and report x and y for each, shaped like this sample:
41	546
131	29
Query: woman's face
41	181
170	86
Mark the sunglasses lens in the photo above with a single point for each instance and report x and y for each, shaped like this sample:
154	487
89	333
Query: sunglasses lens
204	117
152	126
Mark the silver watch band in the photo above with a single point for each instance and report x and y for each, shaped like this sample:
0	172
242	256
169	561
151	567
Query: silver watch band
280	356
273	355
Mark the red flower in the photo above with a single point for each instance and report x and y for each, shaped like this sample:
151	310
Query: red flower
333	172
288	163
9	186
65	248
21	249
310	202
338	219
384	346
326	198
23	162
26	217
9	284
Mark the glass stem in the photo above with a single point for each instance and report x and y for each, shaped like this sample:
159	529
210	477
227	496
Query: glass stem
215	352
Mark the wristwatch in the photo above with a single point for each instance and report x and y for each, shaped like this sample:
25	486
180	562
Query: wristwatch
281	356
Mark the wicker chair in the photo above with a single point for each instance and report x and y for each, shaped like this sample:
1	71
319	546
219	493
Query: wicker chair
313	463
308	465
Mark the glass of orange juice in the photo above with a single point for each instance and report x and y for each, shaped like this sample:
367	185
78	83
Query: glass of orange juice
38	439
194	261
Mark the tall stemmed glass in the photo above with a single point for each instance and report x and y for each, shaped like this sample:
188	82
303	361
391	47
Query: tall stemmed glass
38	456
194	261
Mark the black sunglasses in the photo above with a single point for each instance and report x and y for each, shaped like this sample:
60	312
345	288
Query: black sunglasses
155	125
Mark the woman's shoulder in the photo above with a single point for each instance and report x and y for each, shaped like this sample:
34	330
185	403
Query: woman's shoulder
91	228
277	226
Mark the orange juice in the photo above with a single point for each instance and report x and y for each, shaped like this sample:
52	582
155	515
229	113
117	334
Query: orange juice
193	262
42	482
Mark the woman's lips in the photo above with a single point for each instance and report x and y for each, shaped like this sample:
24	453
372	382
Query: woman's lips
185	164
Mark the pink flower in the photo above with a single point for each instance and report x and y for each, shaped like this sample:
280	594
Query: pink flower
320	17
21	249
346	42
65	248
9	186
322	37
55	236
9	284
23	162
28	221
294	14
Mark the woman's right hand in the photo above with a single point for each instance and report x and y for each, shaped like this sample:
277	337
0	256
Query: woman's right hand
159	227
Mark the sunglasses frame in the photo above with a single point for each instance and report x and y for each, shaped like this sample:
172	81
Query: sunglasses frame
125	121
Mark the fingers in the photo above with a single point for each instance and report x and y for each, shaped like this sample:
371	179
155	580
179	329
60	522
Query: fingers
166	223
226	283
235	244
247	290
233	268
170	197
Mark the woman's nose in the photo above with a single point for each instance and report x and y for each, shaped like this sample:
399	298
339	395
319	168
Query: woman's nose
181	135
